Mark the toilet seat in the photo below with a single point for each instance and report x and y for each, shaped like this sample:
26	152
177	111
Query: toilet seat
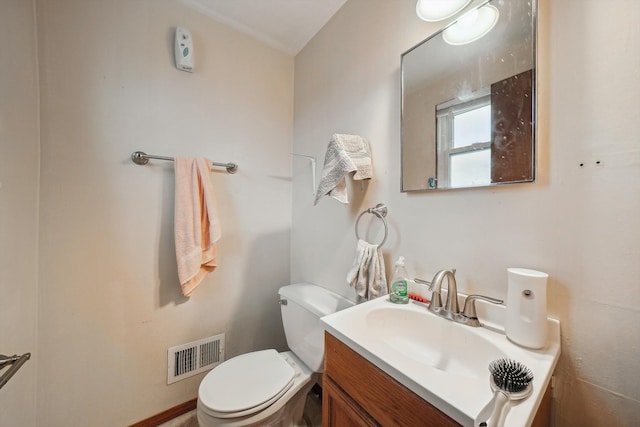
246	384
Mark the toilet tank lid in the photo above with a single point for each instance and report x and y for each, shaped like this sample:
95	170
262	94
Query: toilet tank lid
318	300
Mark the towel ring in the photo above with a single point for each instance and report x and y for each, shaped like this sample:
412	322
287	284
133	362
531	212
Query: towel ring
380	210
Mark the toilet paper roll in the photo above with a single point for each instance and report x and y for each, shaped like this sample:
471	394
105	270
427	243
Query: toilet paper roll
526	322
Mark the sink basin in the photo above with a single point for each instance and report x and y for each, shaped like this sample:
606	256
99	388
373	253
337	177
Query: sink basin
432	340
443	362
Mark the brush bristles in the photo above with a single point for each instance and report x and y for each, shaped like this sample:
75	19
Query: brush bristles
510	376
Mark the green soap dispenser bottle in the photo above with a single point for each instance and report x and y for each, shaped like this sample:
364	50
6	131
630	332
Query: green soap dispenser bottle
399	283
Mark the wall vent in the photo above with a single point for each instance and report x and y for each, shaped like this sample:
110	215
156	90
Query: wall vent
189	359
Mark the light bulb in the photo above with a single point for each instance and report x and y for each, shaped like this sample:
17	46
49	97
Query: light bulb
469	19
437	10
472	25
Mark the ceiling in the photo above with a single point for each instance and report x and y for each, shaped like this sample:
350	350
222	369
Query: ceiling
286	25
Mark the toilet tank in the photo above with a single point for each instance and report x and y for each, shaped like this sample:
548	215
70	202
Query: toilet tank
305	305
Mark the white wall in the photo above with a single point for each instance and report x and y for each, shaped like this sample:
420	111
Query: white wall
110	303
18	207
578	224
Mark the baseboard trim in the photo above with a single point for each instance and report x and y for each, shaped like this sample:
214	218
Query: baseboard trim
167	415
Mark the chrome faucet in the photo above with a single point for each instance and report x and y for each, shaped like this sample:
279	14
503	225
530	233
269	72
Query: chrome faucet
451	310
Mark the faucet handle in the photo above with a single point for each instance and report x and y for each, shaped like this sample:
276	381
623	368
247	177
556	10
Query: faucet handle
469	310
423	282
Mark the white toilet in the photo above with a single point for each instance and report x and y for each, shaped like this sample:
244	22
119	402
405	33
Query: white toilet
267	388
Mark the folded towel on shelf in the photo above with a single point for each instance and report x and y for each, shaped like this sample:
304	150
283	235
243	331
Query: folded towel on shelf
196	225
345	154
367	274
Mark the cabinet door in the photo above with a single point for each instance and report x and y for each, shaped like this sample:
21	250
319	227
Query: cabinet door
543	416
380	396
339	410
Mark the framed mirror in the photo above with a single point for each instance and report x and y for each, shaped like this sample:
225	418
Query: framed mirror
468	105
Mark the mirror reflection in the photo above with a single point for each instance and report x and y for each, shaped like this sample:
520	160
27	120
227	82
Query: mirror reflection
468	96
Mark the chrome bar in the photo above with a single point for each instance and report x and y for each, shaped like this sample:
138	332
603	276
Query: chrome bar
8	360
16	363
141	158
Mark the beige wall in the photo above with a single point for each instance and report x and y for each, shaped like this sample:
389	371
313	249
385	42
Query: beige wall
105	304
109	300
578	224
18	207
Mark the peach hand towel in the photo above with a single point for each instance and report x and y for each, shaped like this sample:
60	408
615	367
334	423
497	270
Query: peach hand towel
196	225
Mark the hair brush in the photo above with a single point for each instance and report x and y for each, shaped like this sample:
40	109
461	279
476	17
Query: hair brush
510	380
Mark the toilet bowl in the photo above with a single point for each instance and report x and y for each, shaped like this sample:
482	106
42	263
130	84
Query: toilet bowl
267	388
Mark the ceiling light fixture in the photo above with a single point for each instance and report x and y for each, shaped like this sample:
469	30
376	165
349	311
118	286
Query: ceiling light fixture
472	25
437	10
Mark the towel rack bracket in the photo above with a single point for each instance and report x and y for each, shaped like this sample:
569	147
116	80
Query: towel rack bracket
14	362
231	167
379	209
140	158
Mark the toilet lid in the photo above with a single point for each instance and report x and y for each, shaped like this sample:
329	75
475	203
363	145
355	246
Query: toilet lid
245	384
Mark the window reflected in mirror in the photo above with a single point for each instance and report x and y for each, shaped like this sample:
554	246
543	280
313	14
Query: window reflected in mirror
464	143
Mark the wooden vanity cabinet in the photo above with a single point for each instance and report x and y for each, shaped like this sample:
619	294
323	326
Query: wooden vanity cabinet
357	394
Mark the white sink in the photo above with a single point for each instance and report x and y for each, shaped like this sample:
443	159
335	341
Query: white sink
432	340
444	362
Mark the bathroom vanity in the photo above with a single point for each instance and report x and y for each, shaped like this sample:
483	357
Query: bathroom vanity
385	377
367	396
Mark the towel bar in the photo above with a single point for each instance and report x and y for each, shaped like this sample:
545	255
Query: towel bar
312	163
16	363
380	210
141	158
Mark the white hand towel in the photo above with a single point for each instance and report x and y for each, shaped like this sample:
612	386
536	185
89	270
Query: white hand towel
345	154
367	275
196	225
